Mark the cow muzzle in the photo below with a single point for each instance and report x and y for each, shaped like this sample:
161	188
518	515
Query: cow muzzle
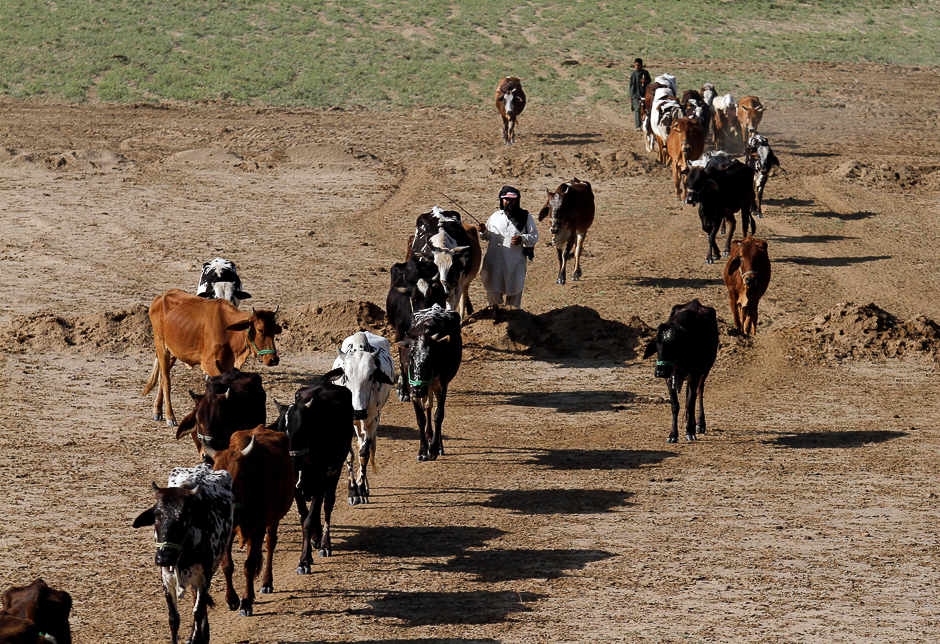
359	414
664	368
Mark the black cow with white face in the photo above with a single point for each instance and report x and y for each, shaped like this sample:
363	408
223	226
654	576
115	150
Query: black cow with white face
319	427
220	281
720	193
192	519
435	351
686	347
416	285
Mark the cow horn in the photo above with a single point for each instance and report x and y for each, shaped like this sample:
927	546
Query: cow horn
193	394
435	337
227	392
445	339
252	310
339	351
276	308
251	446
460	249
308	404
208	450
194	491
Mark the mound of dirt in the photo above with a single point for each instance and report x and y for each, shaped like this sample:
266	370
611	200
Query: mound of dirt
324	327
107	332
209	160
892	176
853	331
570	332
561	163
89	160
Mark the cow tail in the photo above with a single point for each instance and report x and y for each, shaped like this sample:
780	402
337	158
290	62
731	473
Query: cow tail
153	377
210	603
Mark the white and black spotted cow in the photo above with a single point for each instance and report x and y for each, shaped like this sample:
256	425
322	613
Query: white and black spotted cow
761	159
220	281
435	351
192	520
442	239
369	374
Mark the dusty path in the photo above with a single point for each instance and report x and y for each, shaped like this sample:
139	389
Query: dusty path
806	514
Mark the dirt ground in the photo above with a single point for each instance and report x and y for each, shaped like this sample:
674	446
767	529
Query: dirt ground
807	513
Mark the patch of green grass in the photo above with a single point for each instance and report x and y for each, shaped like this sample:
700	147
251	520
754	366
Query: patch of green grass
406	53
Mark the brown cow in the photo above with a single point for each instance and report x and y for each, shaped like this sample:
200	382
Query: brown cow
46	607
263	486
510	101
725	122
686	142
750	112
210	333
571	207
747	275
14	630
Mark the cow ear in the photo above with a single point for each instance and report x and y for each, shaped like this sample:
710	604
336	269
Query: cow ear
145	518
543	213
331	375
712	184
239	326
650	349
186	425
404	344
242	295
205	294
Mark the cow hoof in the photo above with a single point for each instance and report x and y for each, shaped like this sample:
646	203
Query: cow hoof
423	457
158	416
404	398
303	570
267	590
233	604
325	553
690	438
724	253
709	260
559	281
700	429
171	422
759	216
672	440
245	612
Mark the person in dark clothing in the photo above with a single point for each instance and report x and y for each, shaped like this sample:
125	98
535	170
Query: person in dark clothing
639	79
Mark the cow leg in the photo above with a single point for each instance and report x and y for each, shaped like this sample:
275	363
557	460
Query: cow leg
700	418
511	137
422	417
674	402
735	311
267	580
200	632
732	225
362	482
437	444
404	395
166	363
352	497
713	251
252	566
329	501
689	416
562	265
172	610
578	248
306	557
750	319
228	569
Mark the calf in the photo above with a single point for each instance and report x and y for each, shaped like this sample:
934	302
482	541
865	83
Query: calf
436	350
510	101
47	608
263	485
571	209
686	347
365	360
747	275
415	285
220	281
685	144
233	401
761	159
720	193
192	520
319	428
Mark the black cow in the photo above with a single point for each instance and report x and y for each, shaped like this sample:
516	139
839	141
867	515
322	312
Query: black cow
719	194
441	239
686	347
435	351
319	426
220	281
415	285
233	401
761	160
192	521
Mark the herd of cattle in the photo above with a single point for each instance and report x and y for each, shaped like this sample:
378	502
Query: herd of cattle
251	472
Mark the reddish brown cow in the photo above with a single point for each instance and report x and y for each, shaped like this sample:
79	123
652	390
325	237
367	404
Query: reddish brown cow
750	112
46	607
510	101
686	143
263	486
571	207
14	630
210	333
747	275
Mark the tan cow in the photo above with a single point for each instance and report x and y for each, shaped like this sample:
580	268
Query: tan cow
747	275
210	333
750	112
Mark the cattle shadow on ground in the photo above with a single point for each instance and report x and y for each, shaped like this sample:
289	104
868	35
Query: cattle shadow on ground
825	440
599	459
799	203
813	155
846	216
832	261
398	433
419	541
807	239
441	608
493	566
558	501
568	139
675	282
417	640
566	402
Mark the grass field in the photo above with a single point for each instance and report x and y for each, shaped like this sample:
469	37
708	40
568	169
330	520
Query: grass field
406	53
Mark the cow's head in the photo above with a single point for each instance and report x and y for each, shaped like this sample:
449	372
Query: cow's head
362	370
699	186
262	328
666	346
554	208
207	419
507	102
449	259
747	259
171	517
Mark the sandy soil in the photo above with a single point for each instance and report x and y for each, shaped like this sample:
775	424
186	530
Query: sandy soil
808	513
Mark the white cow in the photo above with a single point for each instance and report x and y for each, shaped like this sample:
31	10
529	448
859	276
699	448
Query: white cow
666	109
369	373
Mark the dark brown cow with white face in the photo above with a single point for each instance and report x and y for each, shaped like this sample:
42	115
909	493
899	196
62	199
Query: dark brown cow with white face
510	101
210	333
571	210
747	275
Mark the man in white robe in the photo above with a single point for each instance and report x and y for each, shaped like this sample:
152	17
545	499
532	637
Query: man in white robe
509	231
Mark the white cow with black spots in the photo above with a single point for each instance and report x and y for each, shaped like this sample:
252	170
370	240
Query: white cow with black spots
220	281
192	520
369	374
